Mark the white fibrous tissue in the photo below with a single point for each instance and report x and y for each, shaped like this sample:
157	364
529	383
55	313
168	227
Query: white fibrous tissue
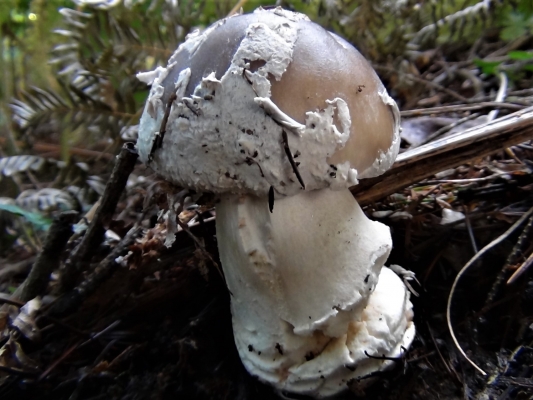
204	132
311	303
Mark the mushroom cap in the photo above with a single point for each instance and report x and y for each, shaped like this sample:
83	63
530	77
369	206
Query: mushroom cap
245	83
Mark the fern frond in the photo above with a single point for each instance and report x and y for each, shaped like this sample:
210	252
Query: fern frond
87	195
385	29
104	44
104	41
72	109
461	17
9	210
18	164
97	184
99	4
46	200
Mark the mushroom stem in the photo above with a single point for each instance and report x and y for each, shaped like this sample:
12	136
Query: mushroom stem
303	279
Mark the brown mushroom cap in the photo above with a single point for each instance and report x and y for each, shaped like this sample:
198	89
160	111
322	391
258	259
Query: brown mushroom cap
216	51
236	102
324	67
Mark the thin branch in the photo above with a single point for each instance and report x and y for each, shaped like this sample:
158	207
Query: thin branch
484	250
77	346
438	349
48	260
18	372
237	7
521	270
460	108
81	256
158	141
470	230
415	165
446	128
426	82
72	300
10	301
200	245
468	180
502	92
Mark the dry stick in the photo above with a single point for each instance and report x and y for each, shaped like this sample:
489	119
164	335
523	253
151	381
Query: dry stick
48	260
415	165
423	81
94	235
436	345
460	108
485	249
50	148
438	87
65	354
516	254
424	161
18	372
521	270
8	271
470	230
446	128
500	96
200	245
468	180
237	7
75	347
159	136
10	301
69	302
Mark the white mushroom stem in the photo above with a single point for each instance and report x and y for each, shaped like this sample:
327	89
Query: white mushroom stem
306	302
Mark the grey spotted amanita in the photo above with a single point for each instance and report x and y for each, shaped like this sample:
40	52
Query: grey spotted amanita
271	105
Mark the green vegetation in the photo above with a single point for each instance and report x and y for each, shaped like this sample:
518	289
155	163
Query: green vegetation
69	89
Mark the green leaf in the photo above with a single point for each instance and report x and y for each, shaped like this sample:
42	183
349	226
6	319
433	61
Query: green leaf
140	97
39	221
488	67
516	24
520	55
512	32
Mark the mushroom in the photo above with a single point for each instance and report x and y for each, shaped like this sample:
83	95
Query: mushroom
280	117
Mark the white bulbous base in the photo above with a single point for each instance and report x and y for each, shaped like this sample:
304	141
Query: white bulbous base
309	295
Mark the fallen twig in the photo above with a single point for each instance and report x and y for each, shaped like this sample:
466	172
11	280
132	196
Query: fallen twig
9	270
414	165
514	257
81	256
48	260
445	129
521	270
478	255
460	108
200	245
72	300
